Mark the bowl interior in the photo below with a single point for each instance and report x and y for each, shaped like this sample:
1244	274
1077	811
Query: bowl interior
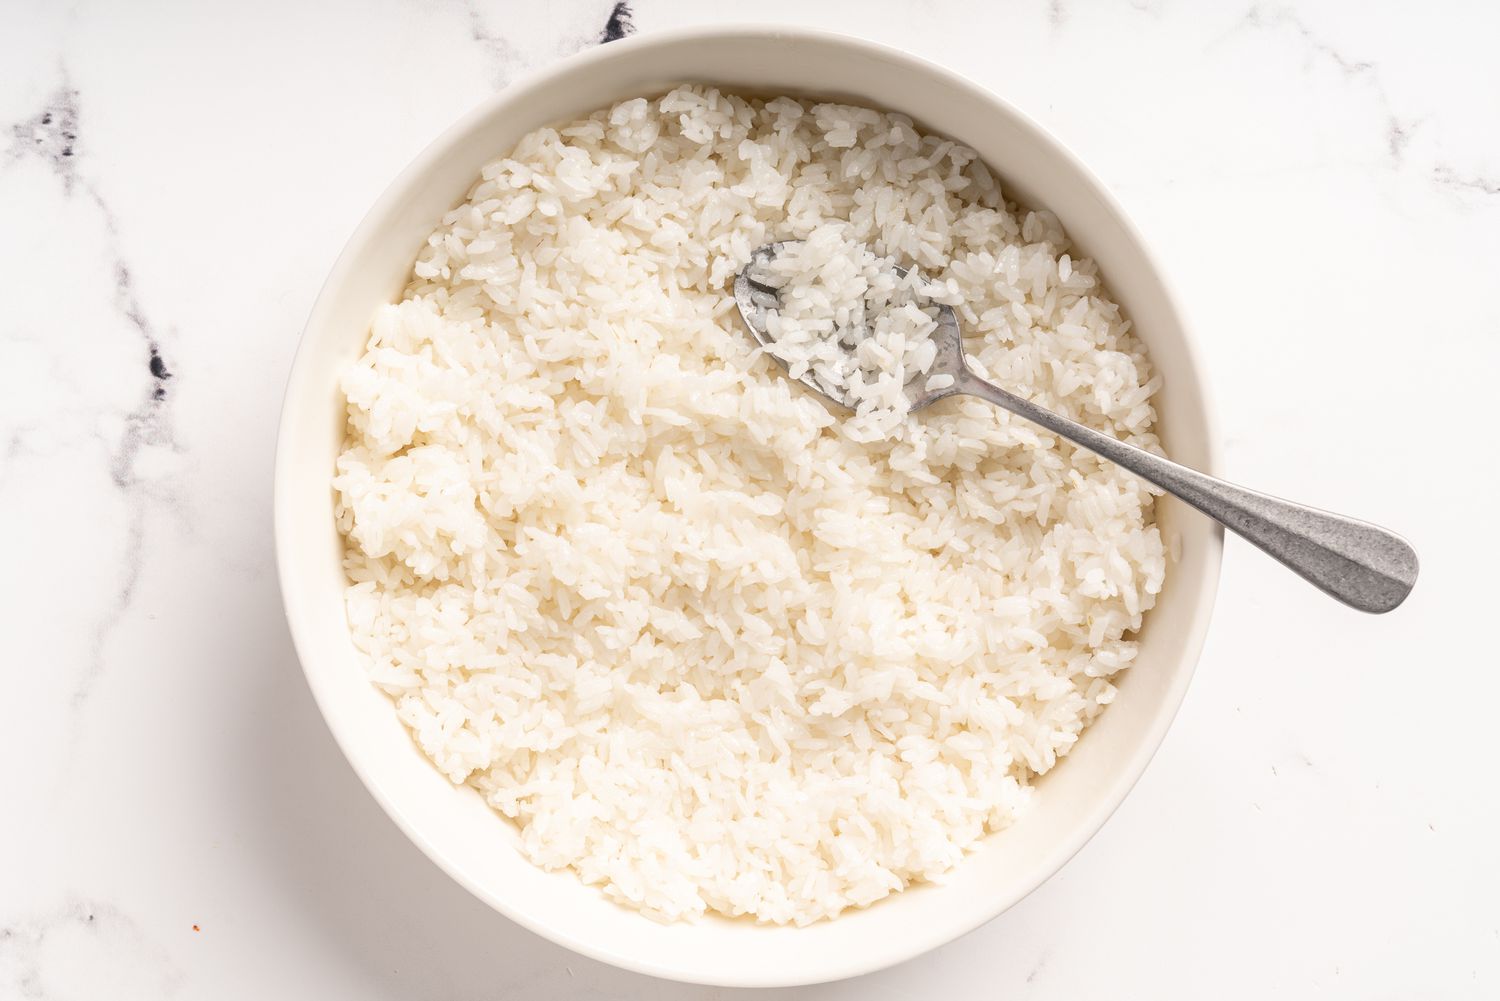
454	827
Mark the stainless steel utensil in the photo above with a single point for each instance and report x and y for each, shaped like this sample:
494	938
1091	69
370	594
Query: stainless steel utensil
1362	565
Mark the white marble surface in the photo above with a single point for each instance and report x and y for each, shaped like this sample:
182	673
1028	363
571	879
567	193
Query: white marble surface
1321	180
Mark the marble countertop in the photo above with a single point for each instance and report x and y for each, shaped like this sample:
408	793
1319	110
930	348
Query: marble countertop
1322	181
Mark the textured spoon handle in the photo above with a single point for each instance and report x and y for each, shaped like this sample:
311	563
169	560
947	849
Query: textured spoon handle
1360	564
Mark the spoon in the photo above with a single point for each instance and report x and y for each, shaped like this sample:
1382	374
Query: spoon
1362	565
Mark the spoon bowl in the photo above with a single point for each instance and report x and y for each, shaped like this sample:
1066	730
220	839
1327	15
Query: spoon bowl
756	300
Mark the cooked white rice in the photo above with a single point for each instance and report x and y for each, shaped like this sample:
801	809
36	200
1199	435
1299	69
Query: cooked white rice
851	322
652	600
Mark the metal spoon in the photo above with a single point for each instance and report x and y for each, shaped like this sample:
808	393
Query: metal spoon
1362	565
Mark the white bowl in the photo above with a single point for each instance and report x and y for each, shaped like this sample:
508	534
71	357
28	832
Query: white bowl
453	826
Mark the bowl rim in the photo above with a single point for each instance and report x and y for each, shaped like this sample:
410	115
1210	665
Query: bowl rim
283	503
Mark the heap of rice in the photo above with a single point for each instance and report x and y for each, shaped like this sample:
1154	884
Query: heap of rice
650	599
854	325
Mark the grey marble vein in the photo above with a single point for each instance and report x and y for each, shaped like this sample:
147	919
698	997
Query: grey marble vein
148	424
1266	17
1398	131
506	59
52	135
502	56
1450	178
620	24
1397	136
15	445
109	942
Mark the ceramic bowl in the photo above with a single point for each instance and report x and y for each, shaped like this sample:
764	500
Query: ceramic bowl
476	846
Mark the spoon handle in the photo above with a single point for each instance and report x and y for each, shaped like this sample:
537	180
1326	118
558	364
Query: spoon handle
1360	564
